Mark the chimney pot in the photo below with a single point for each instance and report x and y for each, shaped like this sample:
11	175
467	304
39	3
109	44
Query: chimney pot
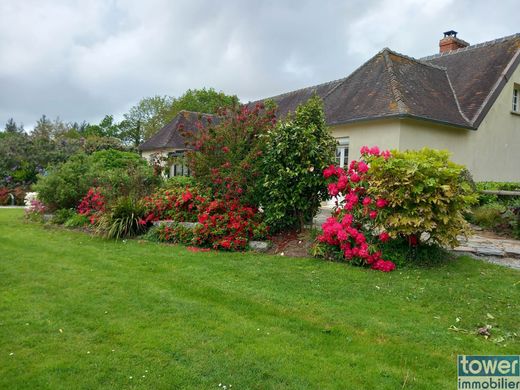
451	42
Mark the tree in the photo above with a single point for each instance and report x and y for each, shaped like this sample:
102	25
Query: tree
152	113
11	127
203	100
226	156
296	152
106	128
43	128
146	118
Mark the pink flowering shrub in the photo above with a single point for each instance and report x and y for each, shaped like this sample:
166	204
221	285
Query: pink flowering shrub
355	230
35	210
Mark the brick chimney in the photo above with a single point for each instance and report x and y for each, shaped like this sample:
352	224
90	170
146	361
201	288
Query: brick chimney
451	42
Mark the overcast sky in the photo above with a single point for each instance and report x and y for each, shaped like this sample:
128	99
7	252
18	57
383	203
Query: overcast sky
80	60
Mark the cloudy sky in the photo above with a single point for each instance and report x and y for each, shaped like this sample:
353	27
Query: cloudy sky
80	60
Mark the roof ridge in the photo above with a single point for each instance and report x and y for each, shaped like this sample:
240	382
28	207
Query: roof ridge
471	47
419	61
394	84
195	112
456	98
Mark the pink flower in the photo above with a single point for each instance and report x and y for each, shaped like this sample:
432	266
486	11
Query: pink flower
347	220
380	203
386	154
365	150
329	171
333	189
355	178
372	214
367	201
342	235
342	182
384	237
362	167
383	265
374	150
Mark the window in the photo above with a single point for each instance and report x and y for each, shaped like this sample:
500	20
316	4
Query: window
178	166
342	152
516	96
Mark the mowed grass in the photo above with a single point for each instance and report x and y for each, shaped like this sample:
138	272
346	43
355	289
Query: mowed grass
80	312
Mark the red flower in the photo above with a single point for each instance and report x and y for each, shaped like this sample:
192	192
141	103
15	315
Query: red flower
187	196
225	149
384	237
372	214
329	171
380	203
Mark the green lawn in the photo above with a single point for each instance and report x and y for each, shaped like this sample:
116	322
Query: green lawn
81	312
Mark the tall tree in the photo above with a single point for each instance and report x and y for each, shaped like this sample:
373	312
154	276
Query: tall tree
43	128
147	117
12	127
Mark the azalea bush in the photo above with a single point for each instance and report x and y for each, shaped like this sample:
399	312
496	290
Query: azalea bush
355	230
177	204
296	152
92	205
228	225
221	224
226	156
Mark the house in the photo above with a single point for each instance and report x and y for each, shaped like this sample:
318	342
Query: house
464	99
169	144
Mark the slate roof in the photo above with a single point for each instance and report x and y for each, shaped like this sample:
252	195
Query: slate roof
170	135
454	88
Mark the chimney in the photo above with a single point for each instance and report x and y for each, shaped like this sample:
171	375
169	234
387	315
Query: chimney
451	42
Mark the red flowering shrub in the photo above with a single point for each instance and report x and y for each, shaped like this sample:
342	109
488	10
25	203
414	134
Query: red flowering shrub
177	204
92	205
355	229
226	153
224	225
228	225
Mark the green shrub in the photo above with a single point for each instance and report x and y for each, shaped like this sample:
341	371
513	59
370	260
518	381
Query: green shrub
123	219
497	186
77	220
118	173
488	215
63	186
296	152
178	182
425	191
62	215
400	252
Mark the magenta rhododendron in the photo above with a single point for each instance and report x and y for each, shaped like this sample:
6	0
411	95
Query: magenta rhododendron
355	225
